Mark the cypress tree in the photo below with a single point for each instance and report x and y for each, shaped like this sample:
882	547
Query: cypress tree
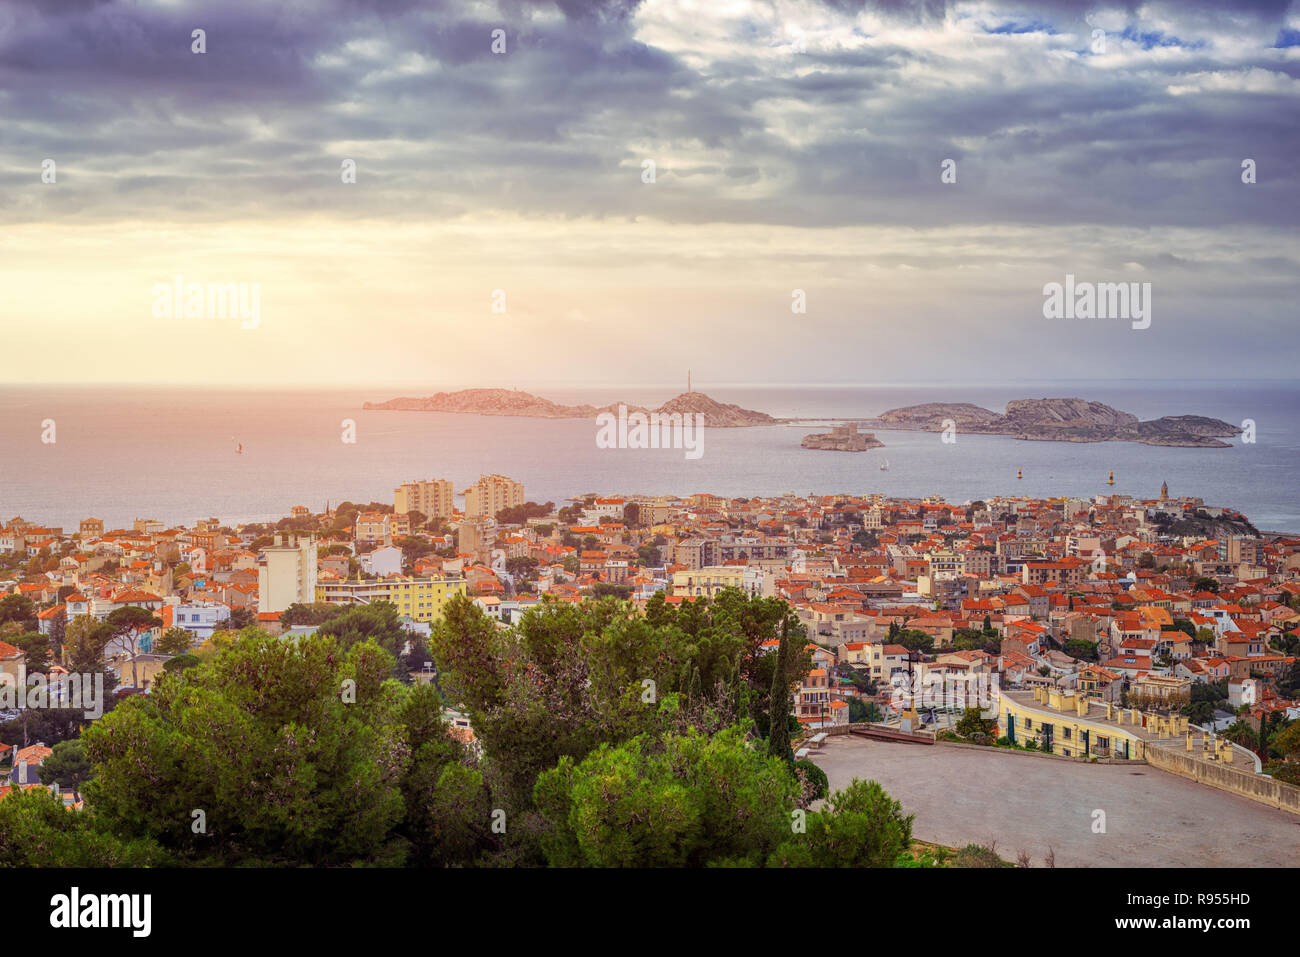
778	735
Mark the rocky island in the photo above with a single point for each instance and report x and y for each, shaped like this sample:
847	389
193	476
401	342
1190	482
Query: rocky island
842	438
717	415
1060	420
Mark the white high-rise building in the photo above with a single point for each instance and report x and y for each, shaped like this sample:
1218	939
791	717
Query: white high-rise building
286	573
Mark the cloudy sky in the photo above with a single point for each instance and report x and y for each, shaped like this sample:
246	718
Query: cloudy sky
796	146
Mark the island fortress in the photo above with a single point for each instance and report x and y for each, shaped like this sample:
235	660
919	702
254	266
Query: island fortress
842	438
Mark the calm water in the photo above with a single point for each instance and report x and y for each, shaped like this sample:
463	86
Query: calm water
170	454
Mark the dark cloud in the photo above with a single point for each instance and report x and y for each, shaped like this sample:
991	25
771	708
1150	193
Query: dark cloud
743	131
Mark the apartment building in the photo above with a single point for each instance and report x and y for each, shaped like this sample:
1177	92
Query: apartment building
979	563
812	703
490	494
199	618
434	498
286	573
1067	572
420	599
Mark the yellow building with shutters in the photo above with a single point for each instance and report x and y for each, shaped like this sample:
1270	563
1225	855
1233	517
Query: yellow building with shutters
1075	726
421	599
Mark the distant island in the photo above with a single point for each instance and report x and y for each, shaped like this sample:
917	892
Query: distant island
842	438
1040	420
1060	420
717	415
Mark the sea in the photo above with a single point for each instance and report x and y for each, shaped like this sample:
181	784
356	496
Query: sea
180	454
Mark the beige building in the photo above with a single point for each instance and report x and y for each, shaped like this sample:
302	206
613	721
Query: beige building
707	581
434	498
286	573
474	538
490	494
378	526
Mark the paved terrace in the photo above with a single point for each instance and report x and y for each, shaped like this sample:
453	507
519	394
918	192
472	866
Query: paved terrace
1031	803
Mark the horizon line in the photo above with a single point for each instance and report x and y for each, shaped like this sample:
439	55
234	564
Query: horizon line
302	386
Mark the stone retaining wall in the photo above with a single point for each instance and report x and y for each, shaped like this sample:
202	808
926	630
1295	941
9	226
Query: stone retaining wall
1257	787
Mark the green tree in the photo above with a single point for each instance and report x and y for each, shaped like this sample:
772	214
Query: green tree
36	830
677	800
316	613
174	641
972	724
297	753
1082	649
521	566
860	826
84	642
572	676
238	619
378	621
181	663
17	608
914	639
778	736
1199	712
860	710
37	648
1287	741
128	623
66	766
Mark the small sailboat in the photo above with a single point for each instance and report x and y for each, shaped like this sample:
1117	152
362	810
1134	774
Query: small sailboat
1020	473
239	446
884	466
1111	480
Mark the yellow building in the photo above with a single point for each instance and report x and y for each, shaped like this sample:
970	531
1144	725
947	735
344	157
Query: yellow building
421	599
707	581
1072	725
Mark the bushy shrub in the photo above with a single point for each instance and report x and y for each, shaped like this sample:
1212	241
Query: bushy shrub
816	777
976	855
